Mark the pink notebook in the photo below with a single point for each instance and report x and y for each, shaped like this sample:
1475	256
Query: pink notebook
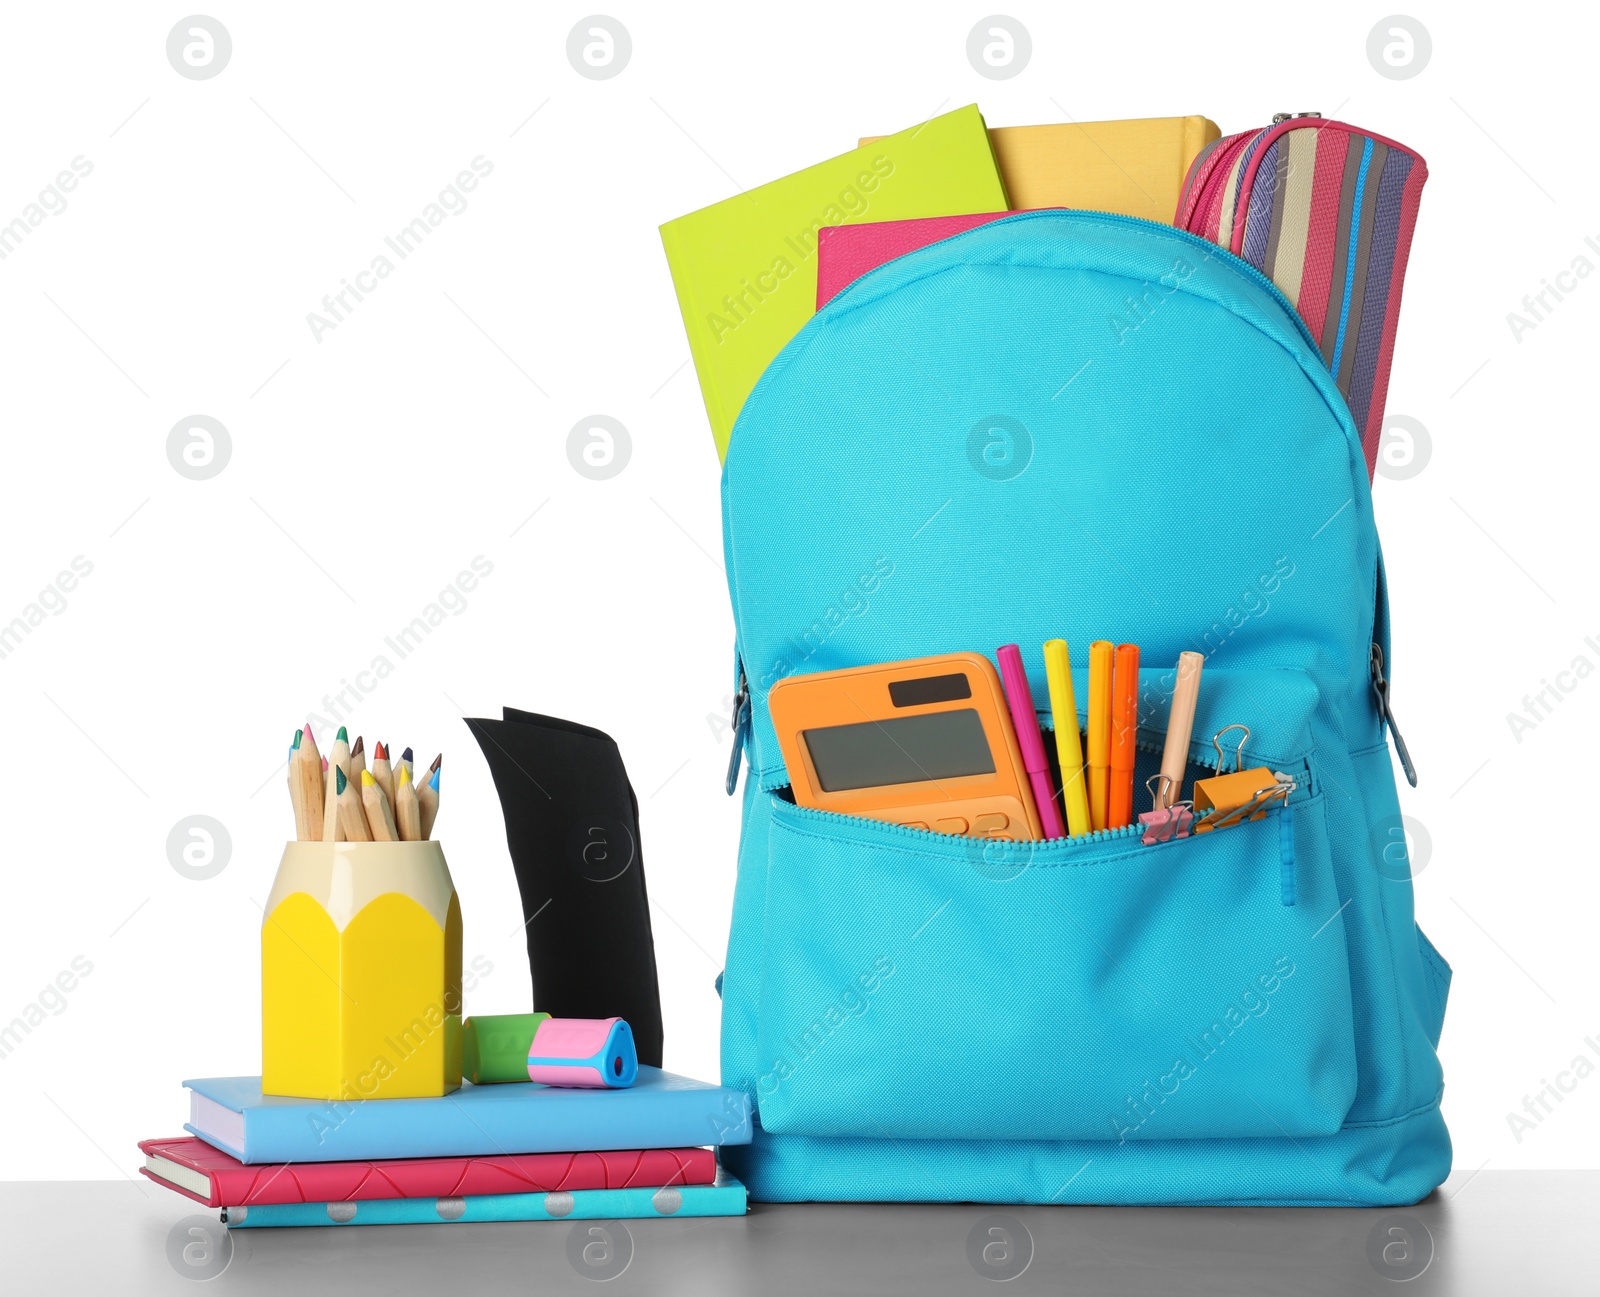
210	1176
846	252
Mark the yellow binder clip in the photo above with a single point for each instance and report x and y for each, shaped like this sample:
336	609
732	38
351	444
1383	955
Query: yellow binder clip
1242	795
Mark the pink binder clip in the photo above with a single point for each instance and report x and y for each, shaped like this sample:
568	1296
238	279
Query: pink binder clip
1164	823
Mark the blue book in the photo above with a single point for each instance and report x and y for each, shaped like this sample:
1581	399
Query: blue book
724	1198
659	1110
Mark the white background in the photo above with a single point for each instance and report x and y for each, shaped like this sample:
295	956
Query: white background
369	467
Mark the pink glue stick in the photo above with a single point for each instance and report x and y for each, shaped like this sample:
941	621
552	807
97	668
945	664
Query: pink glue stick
590	1053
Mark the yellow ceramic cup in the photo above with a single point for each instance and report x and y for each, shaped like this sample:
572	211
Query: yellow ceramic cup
361	973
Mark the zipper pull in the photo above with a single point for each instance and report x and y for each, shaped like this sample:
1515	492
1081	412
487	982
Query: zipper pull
1380	690
1279	118
1286	882
741	724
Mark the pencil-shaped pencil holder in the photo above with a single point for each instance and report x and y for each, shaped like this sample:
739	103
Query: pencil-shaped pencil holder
361	973
590	1053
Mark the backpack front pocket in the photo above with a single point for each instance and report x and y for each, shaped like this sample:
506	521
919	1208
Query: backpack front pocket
918	986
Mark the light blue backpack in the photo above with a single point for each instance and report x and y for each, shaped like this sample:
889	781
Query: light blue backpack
1091	427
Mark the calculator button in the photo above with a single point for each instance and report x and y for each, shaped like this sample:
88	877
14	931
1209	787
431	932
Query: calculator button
953	825
991	823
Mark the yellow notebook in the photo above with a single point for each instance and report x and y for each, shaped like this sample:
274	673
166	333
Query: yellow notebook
746	269
1134	167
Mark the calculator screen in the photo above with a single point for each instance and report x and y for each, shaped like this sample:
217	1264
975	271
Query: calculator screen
900	750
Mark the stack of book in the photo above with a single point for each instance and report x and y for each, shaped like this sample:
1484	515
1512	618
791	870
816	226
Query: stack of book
482	1153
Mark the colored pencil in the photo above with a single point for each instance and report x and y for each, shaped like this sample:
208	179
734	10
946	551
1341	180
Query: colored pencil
428	796
314	791
294	748
407	810
380	819
382	772
339	759
305	789
337	798
308	744
352	817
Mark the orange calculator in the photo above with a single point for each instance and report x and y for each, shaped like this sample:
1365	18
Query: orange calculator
926	743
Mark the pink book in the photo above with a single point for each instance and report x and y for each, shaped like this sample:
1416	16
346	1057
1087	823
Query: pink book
208	1175
846	252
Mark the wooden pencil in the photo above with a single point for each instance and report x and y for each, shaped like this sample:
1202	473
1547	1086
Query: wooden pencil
339	759
305	791
316	794
358	761
310	773
352	817
380	819
407	810
382	772
289	776
428	796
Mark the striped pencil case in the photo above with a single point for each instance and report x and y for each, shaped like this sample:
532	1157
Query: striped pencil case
1326	212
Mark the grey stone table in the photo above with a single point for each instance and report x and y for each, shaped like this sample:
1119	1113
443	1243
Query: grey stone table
1532	1234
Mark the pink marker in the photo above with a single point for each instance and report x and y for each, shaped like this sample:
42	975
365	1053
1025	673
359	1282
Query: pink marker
1026	723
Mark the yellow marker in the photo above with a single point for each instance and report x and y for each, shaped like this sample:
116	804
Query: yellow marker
1102	653
1069	747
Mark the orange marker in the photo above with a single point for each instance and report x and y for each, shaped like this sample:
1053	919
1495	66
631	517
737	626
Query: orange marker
1124	736
1102	654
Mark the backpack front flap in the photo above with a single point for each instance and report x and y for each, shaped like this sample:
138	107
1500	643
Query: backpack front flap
1084	426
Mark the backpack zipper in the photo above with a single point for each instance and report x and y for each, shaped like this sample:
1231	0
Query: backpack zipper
1096	838
741	725
1380	691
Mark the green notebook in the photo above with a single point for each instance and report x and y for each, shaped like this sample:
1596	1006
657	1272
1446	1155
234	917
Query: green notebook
746	269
